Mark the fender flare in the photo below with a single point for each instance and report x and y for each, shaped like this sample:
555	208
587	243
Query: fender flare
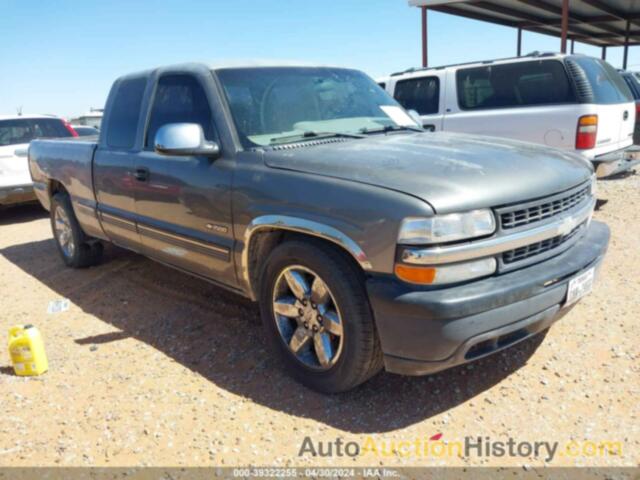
296	224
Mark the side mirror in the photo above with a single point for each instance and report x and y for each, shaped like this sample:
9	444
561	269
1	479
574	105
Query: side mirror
416	116
21	152
184	139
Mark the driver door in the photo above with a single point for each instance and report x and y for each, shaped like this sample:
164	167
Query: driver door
183	203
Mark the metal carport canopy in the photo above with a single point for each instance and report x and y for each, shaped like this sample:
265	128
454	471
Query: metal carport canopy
602	23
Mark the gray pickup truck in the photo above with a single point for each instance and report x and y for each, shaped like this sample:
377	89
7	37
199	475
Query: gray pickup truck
367	242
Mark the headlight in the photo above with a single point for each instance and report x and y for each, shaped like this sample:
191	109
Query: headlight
442	274
446	228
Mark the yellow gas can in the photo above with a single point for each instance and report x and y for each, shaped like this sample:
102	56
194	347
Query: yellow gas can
26	349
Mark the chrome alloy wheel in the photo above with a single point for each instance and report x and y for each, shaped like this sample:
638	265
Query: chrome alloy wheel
64	233
307	317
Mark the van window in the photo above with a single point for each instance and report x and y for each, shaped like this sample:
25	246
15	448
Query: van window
605	85
383	85
419	94
125	110
179	99
514	85
633	84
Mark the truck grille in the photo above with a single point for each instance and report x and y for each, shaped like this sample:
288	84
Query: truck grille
546	208
537	248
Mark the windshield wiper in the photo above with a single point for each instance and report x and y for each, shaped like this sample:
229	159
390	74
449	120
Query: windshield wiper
391	128
300	137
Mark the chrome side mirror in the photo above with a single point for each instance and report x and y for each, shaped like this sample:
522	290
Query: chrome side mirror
21	152
184	139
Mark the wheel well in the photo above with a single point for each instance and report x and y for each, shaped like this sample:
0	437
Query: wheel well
265	240
56	187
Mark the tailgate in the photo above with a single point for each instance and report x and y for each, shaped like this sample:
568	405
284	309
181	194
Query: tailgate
615	125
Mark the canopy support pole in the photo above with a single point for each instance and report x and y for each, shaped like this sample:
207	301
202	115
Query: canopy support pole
565	26
425	59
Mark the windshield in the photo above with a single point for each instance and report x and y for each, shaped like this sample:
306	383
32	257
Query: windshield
278	105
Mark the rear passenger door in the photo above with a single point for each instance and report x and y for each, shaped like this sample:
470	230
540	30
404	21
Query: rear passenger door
183	203
113	163
425	95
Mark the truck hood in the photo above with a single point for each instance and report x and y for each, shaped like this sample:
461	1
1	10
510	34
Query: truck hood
451	171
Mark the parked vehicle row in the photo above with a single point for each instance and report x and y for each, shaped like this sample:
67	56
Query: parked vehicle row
571	102
15	134
633	82
367	241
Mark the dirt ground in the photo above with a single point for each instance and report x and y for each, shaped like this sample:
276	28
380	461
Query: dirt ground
152	367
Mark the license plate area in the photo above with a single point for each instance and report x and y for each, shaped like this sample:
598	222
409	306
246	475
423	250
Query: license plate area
579	286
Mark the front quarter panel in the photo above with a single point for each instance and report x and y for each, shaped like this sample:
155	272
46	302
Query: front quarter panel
362	219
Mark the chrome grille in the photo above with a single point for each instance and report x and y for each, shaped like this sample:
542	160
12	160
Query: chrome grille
546	208
537	248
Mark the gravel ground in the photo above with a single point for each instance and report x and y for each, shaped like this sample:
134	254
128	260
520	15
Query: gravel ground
152	367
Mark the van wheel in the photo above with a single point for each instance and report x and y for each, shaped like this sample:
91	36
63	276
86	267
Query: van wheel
72	243
317	316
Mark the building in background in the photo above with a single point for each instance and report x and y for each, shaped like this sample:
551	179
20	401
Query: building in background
92	118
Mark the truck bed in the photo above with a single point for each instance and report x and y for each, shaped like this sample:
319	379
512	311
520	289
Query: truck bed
68	161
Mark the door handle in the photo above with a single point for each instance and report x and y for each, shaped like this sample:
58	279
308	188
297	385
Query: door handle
429	127
141	174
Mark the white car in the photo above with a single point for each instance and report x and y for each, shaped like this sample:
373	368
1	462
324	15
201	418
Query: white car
15	134
571	102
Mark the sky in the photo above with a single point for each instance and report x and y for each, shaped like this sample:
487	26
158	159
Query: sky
61	57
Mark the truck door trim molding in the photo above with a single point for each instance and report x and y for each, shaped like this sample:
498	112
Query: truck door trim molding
184	242
295	224
117	221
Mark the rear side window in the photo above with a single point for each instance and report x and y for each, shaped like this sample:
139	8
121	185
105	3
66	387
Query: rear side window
125	110
383	85
514	85
633	85
598	82
179	99
419	94
23	130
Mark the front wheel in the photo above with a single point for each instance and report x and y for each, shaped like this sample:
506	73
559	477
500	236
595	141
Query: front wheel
73	245
317	315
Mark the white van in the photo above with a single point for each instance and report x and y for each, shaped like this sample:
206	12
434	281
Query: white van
572	102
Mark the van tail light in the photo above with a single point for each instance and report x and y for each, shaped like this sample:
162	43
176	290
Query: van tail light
587	132
69	128
637	110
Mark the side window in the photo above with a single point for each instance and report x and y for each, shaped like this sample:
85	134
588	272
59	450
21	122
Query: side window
419	94
513	85
125	110
179	99
382	85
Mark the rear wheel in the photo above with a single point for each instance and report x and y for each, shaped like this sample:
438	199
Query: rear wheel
317	315
76	249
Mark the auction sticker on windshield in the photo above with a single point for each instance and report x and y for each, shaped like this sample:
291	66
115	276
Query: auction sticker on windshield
580	286
398	115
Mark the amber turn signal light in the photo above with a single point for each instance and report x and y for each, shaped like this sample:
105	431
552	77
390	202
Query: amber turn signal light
411	274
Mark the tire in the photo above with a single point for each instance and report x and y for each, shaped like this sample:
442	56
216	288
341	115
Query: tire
76	249
345	356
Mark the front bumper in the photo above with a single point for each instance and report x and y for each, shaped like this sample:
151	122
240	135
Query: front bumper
17	194
617	162
426	330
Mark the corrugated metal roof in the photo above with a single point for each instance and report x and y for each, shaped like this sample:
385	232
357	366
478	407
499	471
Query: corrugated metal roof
596	22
